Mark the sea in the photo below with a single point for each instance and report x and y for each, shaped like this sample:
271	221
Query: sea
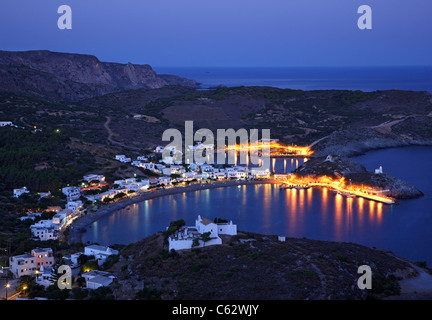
310	78
404	228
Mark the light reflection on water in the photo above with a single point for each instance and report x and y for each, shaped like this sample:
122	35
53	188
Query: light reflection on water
315	213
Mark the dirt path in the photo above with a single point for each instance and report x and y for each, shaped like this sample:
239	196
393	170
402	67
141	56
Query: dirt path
111	134
418	288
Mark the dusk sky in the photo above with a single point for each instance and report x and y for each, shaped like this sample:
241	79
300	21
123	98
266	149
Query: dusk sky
225	32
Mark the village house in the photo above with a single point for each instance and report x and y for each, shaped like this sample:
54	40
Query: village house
96	279
94	177
22	265
101	253
108	194
44	257
165	180
75	206
5	123
72	193
19	192
133	184
260	173
122	158
159	149
44	276
44	230
186	237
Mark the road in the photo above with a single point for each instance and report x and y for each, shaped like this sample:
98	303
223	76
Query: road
10	292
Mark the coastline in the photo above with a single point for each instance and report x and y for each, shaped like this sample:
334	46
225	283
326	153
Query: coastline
76	229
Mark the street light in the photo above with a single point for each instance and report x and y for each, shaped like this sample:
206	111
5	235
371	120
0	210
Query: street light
7	286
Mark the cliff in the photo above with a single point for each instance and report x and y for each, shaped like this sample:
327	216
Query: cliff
70	77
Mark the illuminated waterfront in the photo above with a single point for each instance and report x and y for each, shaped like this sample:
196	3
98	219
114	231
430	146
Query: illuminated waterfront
315	213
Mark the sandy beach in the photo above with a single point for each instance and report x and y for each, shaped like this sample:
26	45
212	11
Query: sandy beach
78	227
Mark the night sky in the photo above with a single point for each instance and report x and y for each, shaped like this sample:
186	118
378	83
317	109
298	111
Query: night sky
225	32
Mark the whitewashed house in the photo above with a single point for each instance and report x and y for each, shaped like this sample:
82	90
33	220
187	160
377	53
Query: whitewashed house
379	170
23	265
44	230
165	180
44	276
96	279
159	149
133	184
260	173
119	157
188	176
72	193
75	206
185	237
101	253
19	192
60	219
95	177
101	196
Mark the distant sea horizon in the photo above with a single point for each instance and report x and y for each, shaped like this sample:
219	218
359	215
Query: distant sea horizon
411	78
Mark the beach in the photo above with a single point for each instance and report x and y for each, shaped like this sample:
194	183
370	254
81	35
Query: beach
79	226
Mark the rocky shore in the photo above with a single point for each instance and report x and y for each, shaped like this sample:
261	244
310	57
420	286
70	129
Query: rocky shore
338	166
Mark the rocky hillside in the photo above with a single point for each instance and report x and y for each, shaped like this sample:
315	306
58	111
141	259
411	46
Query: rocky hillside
253	266
353	171
409	130
70	77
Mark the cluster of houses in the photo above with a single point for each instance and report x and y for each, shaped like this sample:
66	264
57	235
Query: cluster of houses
41	264
193	171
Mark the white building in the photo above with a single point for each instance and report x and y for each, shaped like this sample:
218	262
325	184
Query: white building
101	253
72	193
260	173
185	237
23	265
62	218
44	230
44	276
159	149
108	194
379	170
95	177
19	192
188	176
75	206
96	279
122	158
165	180
133	184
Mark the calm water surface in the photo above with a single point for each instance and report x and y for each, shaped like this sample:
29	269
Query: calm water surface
318	213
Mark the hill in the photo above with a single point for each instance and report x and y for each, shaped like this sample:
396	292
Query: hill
71	77
252	266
